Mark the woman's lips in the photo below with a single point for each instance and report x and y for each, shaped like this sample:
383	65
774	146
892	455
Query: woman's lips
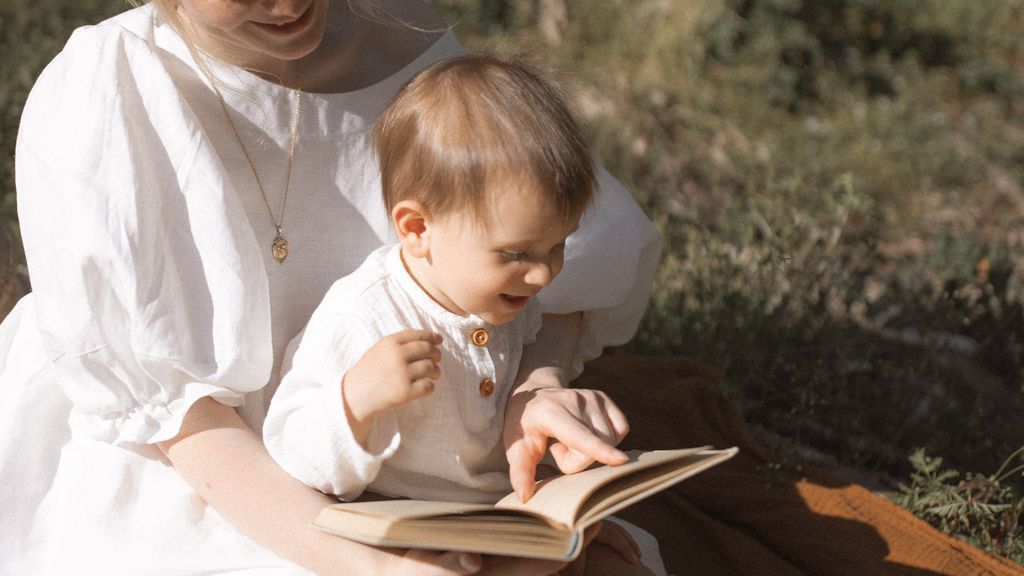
288	28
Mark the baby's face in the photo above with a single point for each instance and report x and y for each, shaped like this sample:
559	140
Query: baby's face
492	268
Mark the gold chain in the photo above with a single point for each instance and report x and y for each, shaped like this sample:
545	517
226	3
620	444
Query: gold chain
279	248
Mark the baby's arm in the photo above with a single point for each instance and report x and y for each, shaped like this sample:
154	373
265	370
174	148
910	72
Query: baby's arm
308	430
397	369
543	413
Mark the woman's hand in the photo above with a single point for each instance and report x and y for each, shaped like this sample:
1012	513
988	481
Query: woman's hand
432	563
613	551
227	465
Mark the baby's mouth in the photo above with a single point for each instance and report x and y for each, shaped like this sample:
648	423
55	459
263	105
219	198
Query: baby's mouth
515	301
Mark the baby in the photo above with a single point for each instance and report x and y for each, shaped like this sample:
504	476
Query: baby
399	382
484	174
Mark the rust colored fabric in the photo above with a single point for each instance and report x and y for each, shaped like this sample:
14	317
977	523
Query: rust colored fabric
746	517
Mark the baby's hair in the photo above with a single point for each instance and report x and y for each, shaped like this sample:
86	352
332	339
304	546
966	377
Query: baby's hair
470	121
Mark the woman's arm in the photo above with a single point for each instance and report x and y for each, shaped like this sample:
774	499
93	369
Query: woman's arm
226	464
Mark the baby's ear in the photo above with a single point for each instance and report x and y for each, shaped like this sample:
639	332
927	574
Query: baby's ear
412	224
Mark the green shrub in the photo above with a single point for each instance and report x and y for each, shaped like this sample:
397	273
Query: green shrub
983	510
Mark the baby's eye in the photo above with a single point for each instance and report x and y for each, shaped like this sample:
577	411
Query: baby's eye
513	256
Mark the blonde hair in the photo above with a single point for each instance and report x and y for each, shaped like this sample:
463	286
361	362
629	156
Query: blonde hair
469	121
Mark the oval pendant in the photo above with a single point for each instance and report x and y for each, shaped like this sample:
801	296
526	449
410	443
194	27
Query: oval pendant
279	249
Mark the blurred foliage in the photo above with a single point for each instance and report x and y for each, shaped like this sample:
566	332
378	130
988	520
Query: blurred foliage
839	187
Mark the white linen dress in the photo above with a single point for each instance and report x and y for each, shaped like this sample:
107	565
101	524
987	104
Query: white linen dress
148	247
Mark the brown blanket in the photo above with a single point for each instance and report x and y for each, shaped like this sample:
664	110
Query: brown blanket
747	518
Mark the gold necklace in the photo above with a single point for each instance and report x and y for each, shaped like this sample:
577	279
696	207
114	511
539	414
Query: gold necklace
279	248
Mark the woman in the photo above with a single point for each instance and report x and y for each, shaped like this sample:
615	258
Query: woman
192	175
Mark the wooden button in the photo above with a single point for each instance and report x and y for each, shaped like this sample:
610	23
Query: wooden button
480	337
486	387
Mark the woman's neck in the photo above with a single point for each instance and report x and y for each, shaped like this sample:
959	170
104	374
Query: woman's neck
358	51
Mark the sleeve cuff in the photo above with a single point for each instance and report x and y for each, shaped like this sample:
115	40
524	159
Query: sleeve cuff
150	423
353	467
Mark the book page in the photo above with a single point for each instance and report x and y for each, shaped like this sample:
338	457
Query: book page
449	526
562	498
404	509
624	491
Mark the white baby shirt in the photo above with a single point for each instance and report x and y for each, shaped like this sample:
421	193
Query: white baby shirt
446	446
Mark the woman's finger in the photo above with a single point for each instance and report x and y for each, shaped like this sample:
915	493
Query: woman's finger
618	539
507	566
431	563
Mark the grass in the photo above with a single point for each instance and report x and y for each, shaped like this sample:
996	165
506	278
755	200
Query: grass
839	186
839	189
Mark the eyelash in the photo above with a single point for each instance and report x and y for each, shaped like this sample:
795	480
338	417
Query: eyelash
513	256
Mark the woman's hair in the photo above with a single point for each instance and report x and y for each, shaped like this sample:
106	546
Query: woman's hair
470	121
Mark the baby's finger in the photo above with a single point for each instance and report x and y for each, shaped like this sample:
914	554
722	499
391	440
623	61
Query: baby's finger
615	418
420	349
420	388
407	336
569	461
523	455
426	368
604	418
600	424
580	438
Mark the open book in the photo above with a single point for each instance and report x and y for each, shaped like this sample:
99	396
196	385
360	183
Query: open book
549	526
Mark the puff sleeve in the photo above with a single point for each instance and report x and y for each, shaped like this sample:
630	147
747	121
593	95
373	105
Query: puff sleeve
610	262
148	283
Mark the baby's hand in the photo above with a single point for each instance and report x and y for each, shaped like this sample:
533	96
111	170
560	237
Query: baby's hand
397	369
577	426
